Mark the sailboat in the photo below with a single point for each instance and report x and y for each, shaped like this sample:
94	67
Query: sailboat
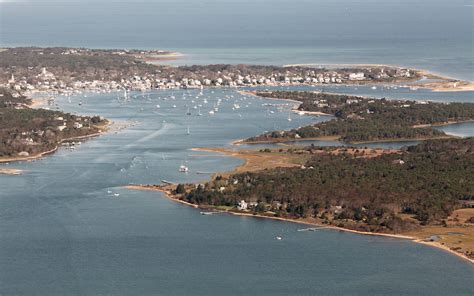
188	112
188	132
289	117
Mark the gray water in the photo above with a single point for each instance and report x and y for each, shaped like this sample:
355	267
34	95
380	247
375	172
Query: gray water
64	232
435	35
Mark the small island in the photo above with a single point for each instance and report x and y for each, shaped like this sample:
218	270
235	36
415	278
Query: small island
361	119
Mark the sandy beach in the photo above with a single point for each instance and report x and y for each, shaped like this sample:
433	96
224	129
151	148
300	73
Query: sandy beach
444	123
10	171
158	58
288	140
38	102
316	113
445	84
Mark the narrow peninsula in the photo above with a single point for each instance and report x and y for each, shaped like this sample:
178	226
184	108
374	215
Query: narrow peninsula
360	119
421	192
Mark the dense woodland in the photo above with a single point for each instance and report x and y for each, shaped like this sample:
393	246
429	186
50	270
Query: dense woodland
425	182
361	119
85	65
37	130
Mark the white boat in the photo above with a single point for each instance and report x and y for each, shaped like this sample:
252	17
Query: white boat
211	112
279	238
289	117
183	169
158	106
188	132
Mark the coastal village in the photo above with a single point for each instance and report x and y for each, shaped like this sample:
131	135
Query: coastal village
47	81
32	73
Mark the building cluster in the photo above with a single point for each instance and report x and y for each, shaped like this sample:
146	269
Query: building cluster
243	205
47	81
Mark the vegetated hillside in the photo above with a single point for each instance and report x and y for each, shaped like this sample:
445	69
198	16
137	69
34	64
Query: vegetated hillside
83	64
425	182
361	119
32	131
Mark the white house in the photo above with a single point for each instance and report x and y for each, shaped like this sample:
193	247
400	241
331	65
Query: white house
357	76
242	205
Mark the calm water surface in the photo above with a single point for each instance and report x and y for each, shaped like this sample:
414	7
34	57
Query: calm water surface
64	232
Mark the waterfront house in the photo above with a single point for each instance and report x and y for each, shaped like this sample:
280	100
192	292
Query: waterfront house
357	76
242	205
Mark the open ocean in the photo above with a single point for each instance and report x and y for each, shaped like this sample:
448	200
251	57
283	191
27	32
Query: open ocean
435	35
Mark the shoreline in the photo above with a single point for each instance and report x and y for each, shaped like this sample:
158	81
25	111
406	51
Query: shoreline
443	123
37	102
10	171
158	59
250	163
45	153
446	83
316	113
337	138
169	195
254	93
286	140
404	140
